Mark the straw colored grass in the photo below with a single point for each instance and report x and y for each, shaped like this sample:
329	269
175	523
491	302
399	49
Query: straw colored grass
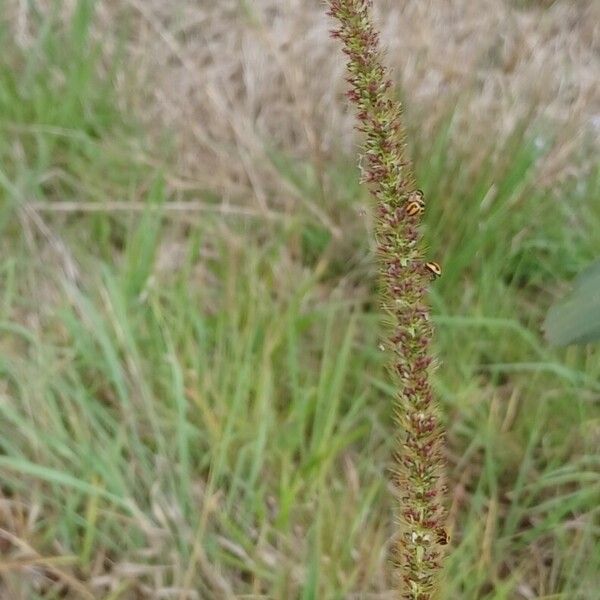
253	75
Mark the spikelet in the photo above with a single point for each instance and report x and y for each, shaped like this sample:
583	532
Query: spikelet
405	276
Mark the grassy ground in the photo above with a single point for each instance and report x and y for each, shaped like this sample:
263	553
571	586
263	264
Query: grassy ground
193	403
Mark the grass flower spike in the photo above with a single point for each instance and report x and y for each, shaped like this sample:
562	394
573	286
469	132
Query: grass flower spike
405	276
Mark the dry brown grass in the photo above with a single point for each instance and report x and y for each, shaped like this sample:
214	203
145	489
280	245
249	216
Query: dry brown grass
233	78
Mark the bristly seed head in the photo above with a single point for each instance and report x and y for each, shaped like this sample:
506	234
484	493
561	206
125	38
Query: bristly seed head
405	275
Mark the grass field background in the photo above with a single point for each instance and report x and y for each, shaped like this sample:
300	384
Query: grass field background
192	399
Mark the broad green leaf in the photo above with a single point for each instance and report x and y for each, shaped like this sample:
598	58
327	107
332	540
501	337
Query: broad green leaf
576	320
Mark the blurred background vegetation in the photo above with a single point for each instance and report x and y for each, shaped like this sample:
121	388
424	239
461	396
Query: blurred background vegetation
192	400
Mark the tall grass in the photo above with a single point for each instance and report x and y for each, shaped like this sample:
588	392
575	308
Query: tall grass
199	409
